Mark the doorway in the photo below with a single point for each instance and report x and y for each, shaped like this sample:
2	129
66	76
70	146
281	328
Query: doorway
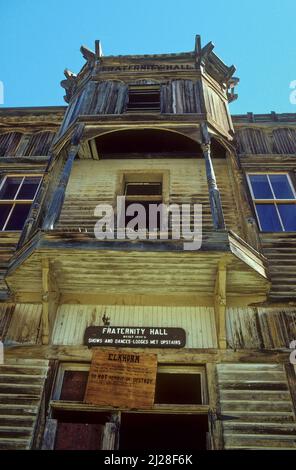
155	431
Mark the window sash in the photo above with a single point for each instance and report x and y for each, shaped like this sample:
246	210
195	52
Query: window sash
14	201
271	188
275	201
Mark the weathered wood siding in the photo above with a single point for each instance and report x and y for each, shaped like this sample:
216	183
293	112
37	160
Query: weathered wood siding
181	96
260	328
20	323
16	144
254	141
95	182
8	242
21	388
6	312
217	108
198	322
280	250
257	405
9	143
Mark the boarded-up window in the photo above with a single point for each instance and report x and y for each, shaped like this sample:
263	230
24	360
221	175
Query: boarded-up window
284	141
252	141
9	143
39	144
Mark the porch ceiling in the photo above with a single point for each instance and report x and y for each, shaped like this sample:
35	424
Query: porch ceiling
80	263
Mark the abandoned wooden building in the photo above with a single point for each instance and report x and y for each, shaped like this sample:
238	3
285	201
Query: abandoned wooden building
121	343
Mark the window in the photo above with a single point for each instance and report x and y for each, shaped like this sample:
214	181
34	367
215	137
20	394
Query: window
17	193
178	418
274	200
143	193
144	98
180	385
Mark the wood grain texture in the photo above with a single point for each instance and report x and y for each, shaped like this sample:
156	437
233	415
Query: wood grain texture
198	322
120	378
21	387
257	404
96	182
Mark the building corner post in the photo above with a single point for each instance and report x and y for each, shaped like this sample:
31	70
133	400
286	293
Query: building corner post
55	207
214	193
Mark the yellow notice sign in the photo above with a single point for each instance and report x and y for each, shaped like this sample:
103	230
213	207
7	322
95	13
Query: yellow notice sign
121	378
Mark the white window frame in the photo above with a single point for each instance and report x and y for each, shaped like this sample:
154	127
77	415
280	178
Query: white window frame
275	201
15	201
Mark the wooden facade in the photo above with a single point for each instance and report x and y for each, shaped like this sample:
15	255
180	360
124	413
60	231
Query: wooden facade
160	120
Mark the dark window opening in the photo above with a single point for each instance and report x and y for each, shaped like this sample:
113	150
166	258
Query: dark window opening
145	194
143	99
147	189
162	431
178	389
18	217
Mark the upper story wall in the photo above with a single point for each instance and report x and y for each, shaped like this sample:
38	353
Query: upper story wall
265	134
196	82
28	132
266	145
184	182
26	135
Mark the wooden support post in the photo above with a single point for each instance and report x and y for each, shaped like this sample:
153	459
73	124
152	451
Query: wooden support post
110	440
214	193
55	207
34	213
49	301
220	304
215	424
45	320
49	434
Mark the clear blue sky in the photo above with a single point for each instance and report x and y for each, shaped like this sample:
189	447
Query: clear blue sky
40	38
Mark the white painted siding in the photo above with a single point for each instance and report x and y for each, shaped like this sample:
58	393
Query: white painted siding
198	322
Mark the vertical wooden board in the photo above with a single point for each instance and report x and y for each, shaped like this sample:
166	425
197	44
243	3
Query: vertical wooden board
198	322
6	312
49	434
120	378
109	436
278	326
215	428
25	323
242	328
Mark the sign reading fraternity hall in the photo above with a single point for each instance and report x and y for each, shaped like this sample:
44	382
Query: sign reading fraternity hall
138	337
124	379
